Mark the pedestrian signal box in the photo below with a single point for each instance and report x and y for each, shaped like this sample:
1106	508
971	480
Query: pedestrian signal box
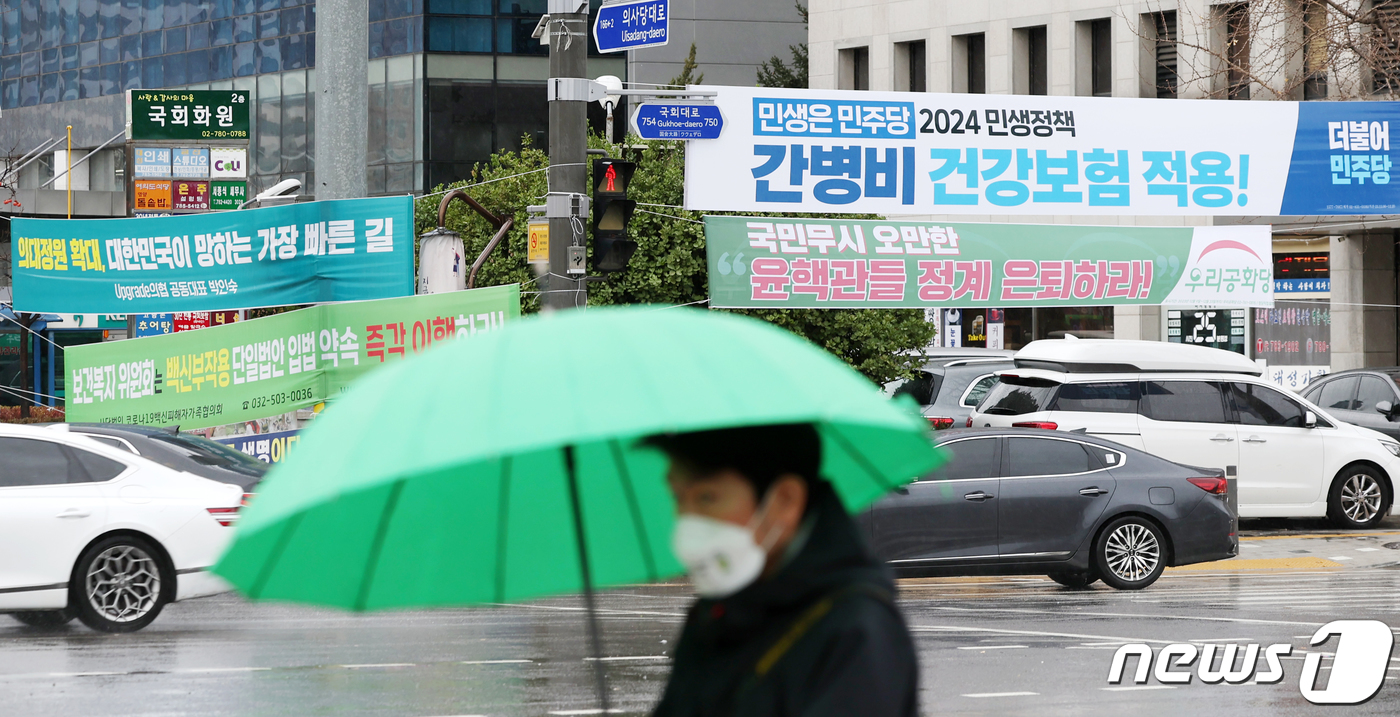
612	210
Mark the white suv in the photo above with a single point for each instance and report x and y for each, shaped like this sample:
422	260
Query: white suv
1202	407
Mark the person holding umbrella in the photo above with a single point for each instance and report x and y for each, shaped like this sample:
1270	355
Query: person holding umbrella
794	616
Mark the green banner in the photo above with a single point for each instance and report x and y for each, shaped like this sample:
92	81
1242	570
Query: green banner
187	114
263	367
764	262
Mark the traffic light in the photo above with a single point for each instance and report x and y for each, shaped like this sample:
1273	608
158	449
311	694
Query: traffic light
612	210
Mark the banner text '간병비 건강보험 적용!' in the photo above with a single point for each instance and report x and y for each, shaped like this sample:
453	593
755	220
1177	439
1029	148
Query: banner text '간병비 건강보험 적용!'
892	153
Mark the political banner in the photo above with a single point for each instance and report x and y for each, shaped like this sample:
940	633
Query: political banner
266	447
263	367
758	262
895	153
344	250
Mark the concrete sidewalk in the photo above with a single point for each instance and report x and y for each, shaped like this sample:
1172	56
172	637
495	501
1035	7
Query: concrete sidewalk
1296	549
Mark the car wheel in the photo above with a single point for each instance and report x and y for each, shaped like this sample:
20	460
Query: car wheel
48	619
1130	553
1359	498
1075	579
119	585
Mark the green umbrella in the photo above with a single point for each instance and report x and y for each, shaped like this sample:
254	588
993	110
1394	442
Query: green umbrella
506	467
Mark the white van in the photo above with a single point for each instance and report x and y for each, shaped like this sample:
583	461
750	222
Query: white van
1203	407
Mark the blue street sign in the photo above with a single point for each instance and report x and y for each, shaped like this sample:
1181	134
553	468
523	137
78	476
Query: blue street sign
632	24
678	121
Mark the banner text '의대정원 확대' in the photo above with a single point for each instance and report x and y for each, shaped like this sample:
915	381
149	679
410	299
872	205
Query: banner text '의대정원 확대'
896	153
757	262
263	367
343	250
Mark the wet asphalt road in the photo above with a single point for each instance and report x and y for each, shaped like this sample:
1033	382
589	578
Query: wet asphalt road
993	646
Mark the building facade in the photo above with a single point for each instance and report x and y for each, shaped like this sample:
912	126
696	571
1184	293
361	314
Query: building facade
1335	276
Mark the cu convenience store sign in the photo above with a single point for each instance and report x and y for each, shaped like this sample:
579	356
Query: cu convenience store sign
922	153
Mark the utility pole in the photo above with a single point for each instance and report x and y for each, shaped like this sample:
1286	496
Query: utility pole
567	205
342	107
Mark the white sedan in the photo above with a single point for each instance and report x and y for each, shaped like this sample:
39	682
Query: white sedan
97	533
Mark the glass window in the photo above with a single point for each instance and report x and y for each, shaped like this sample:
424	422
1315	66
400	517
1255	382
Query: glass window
68	86
972	458
524	7
9	67
9	94
32	462
131	75
269	5
980	390
459	34
68	57
48	60
294	123
197	12
459	7
220	63
243	56
1263	406
221	32
294	21
109	51
154	16
29	91
98	468
923	388
269	25
197	66
111	78
175	40
131	47
398	8
269	55
243	7
269	121
1189	401
293	52
87	20
1045	457
1105	397
513	36
89	82
1335	395
110	20
152	44
199	36
1016	396
50	87
153	72
87	54
1374	390
29	64
175	71
244	28
175	12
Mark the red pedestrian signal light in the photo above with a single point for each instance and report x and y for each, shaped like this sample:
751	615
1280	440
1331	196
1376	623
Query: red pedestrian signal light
612	210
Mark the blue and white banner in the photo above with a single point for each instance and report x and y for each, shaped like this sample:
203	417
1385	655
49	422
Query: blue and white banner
896	153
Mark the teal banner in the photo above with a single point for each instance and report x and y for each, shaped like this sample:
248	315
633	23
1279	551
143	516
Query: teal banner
314	252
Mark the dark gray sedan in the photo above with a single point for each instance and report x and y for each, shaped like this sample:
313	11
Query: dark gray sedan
1074	507
1362	397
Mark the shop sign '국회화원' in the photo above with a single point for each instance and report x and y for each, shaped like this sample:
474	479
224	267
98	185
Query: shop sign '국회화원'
757	262
262	367
923	153
344	250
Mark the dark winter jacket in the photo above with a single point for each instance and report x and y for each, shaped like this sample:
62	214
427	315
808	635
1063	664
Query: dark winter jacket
822	636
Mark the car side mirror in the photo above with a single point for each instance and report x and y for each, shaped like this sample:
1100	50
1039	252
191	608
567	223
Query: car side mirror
1385	408
1310	420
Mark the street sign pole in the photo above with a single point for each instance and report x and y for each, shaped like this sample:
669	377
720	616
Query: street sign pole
568	92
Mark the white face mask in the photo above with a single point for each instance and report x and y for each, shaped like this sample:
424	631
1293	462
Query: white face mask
722	558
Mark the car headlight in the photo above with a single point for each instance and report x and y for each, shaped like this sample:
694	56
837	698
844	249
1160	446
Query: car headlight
1394	448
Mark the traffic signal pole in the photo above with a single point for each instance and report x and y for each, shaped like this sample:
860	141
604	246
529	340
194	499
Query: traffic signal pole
568	147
